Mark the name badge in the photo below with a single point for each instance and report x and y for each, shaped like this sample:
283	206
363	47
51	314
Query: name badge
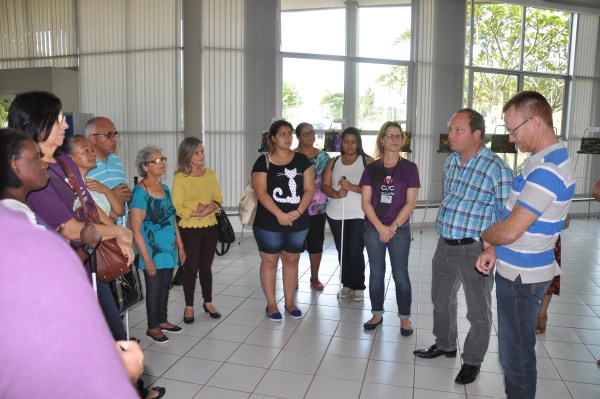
386	198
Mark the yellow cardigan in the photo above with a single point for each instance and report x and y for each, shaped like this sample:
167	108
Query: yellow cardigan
189	191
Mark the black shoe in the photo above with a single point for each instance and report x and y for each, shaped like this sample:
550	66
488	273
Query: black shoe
432	352
188	320
372	326
160	340
174	329
467	374
214	315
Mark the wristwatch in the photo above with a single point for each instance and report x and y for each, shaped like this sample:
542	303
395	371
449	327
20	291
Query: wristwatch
395	225
88	249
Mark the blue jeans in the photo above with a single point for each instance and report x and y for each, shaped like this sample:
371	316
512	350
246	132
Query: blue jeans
398	248
157	296
273	242
518	307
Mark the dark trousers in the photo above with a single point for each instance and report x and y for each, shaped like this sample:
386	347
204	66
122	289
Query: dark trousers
200	245
111	313
157	296
353	267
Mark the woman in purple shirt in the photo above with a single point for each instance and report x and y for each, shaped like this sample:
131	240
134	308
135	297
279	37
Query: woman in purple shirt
389	194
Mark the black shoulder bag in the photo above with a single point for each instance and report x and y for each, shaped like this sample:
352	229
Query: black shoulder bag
226	233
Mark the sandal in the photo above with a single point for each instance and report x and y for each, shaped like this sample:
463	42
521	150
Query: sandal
317	285
540	328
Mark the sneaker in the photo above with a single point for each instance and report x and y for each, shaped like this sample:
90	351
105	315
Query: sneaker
358	296
344	292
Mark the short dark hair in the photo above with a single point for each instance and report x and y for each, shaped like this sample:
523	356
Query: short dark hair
69	144
300	127
35	113
476	121
274	128
531	103
12	143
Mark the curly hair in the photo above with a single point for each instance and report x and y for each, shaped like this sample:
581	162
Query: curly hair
143	156
12	143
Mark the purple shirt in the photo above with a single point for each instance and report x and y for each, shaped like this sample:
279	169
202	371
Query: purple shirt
403	177
60	345
55	203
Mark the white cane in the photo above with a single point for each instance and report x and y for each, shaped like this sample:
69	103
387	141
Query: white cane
342	241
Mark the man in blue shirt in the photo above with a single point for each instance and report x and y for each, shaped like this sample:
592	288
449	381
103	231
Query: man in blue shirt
109	170
522	243
476	184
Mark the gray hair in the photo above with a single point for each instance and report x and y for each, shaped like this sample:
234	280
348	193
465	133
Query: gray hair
143	156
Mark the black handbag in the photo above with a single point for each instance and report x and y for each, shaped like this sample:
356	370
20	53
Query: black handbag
226	233
127	289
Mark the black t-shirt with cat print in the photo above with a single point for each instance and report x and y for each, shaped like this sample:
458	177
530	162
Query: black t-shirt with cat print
285	185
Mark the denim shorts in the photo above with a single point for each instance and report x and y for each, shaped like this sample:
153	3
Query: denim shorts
273	242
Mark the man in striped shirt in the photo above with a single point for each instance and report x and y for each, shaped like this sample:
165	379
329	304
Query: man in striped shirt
476	184
109	169
522	243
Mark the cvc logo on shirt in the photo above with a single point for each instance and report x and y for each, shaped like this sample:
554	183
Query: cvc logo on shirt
294	198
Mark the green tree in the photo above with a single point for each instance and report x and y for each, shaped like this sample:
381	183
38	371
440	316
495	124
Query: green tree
367	106
335	102
290	99
397	78
497	44
4	105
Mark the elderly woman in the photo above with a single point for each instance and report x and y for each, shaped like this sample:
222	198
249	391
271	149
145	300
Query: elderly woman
195	191
81	151
39	114
305	133
155	231
389	195
284	183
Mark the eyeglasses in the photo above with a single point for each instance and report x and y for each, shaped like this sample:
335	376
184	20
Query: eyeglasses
459	131
308	134
284	134
108	135
512	131
394	136
157	161
61	118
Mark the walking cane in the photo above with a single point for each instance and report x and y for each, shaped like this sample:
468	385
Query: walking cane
342	242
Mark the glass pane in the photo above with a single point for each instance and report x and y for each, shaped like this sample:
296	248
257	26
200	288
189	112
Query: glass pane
497	38
313	91
490	92
382	94
554	90
546	44
315	31
391	39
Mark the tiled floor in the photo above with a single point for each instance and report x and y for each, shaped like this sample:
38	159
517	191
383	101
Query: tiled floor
327	354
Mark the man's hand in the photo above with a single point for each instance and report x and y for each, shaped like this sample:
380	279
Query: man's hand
486	261
123	192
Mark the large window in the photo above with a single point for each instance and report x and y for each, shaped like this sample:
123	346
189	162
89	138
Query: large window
337	67
512	48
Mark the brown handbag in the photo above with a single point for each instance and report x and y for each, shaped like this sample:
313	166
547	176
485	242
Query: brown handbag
111	262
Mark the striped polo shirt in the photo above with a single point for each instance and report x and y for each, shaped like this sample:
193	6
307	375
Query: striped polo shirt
111	173
545	186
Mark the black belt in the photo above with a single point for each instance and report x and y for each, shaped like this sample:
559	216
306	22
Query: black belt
462	241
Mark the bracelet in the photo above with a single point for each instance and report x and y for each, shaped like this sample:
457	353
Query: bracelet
300	214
